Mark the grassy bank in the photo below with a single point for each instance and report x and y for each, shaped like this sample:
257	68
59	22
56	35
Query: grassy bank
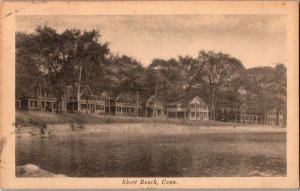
39	119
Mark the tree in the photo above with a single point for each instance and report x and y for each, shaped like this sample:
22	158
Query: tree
64	54
163	78
28	75
188	67
267	88
188	70
280	90
218	69
130	73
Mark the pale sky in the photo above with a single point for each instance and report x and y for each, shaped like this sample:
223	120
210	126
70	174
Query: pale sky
256	40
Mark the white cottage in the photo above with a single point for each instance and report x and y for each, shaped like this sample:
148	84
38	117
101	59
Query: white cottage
197	109
194	109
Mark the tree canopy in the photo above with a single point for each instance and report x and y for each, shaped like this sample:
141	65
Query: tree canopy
54	59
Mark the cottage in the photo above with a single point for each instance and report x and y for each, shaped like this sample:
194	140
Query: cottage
250	115
88	103
274	118
123	105
177	110
195	109
154	108
228	113
42	99
198	110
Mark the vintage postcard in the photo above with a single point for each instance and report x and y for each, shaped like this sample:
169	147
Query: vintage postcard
149	95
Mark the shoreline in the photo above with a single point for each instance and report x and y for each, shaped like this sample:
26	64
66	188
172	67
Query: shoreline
136	129
44	125
37	118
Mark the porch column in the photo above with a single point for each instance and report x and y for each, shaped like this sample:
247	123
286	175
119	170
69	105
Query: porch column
51	106
146	112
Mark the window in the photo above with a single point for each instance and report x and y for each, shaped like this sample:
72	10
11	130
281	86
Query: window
119	109
99	107
32	103
43	104
193	114
197	114
83	106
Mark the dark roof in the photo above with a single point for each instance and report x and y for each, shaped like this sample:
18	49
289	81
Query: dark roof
251	109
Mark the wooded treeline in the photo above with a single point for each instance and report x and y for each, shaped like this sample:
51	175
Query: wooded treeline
53	59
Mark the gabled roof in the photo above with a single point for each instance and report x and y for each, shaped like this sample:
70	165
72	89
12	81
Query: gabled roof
189	100
124	96
197	100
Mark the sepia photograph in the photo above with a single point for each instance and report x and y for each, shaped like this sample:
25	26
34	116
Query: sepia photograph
149	98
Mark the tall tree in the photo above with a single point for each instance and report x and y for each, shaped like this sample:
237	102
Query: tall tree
65	54
163	78
126	73
187	71
28	75
219	68
267	88
280	90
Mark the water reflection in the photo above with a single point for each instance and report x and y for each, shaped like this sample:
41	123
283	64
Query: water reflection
192	155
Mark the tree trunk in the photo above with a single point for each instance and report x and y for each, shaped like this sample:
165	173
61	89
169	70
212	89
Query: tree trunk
58	101
86	107
215	103
137	104
211	103
109	107
277	116
235	119
167	102
213	106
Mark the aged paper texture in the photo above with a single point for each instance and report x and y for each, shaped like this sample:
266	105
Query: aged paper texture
149	94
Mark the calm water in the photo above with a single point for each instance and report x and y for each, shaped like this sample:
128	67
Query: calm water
191	155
